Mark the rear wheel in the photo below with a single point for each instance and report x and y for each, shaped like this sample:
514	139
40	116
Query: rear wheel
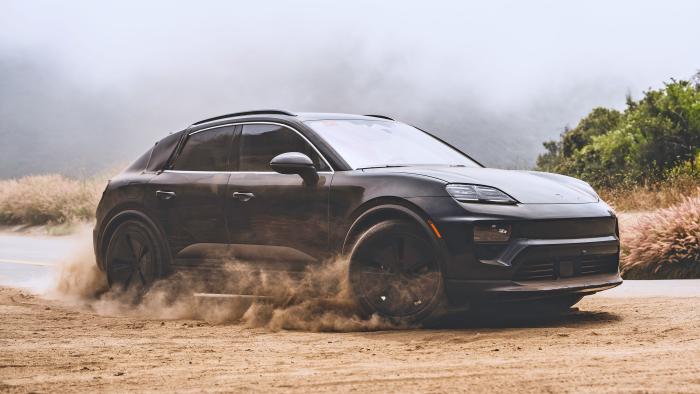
395	272
134	257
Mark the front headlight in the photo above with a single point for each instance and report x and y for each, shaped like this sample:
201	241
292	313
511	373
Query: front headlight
478	193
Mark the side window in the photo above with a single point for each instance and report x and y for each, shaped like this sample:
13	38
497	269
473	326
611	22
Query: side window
206	150
261	142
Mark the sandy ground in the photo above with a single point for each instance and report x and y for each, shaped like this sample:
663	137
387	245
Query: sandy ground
643	344
643	336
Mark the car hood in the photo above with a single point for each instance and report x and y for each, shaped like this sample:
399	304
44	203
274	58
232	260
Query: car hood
528	187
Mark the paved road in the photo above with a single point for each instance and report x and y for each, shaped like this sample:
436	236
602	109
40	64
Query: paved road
29	261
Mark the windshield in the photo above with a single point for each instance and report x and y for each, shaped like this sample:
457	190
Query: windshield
379	143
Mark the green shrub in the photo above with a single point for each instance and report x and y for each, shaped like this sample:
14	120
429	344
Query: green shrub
653	138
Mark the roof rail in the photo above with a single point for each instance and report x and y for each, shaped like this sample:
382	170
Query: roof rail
255	112
380	116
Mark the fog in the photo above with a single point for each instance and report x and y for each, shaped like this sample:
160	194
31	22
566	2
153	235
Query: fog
87	86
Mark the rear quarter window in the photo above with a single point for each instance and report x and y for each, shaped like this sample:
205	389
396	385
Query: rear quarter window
207	150
162	151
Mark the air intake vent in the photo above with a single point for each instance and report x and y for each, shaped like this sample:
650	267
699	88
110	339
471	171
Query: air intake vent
537	269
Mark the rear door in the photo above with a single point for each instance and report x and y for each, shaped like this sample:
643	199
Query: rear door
276	221
189	197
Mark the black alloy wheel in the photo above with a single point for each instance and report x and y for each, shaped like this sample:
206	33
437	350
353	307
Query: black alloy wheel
133	257
395	272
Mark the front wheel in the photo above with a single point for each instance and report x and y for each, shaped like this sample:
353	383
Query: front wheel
395	272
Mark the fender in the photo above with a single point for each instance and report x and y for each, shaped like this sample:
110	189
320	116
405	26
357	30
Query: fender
419	218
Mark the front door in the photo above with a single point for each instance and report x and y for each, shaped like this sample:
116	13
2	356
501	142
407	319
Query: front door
276	221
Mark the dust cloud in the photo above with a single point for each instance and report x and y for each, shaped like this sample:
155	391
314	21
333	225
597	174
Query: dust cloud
319	300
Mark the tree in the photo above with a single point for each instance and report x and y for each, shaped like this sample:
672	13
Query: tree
652	137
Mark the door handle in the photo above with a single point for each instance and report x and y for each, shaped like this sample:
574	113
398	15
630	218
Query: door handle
165	195
243	196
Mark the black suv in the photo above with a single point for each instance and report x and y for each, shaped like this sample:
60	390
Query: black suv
423	226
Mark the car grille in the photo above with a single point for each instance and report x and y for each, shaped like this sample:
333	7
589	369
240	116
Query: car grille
565	228
533	270
545	270
598	265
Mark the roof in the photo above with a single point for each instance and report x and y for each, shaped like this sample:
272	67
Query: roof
301	116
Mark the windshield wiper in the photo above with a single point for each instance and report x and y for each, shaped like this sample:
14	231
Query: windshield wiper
384	166
410	165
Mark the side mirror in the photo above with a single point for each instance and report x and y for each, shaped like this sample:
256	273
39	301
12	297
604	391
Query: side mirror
295	163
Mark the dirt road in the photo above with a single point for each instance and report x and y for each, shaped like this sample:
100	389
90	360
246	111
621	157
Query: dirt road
611	344
643	336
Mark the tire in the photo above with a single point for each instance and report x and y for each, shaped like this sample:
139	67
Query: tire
134	258
396	272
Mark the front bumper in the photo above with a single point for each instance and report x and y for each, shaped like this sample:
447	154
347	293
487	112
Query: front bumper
510	290
535	268
553	250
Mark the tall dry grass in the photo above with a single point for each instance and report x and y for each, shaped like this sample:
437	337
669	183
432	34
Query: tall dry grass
664	244
650	197
48	199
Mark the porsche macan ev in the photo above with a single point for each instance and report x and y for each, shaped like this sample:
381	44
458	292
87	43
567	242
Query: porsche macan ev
423	227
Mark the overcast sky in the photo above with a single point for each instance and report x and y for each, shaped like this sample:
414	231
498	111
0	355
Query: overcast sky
496	78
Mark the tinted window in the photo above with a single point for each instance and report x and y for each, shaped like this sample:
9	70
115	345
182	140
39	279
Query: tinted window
206	151
261	142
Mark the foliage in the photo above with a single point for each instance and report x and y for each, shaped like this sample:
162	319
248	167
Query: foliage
654	138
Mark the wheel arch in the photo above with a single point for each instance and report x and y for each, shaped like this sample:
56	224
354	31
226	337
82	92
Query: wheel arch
386	208
124	214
